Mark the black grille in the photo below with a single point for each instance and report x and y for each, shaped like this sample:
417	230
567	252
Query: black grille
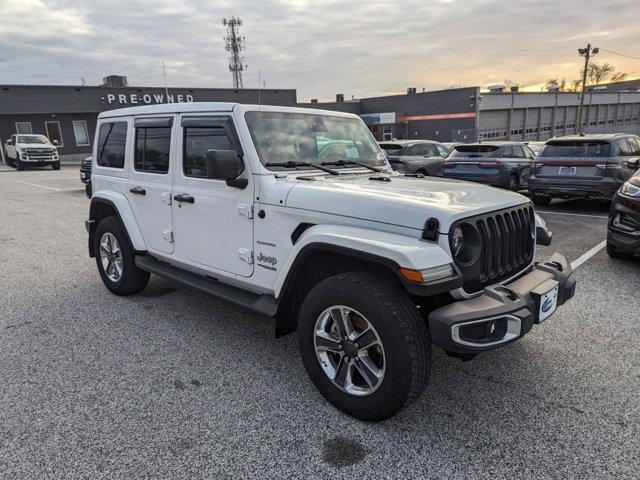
632	222
505	246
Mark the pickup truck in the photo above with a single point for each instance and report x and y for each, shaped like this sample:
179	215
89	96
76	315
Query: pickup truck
26	150
296	215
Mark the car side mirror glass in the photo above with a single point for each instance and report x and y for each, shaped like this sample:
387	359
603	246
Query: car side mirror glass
55	142
633	163
225	165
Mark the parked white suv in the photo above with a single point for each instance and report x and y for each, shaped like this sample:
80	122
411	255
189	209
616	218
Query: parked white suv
296	214
26	150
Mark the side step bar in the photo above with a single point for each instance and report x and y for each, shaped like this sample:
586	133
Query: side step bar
256	302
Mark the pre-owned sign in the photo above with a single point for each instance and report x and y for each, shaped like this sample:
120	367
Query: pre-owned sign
144	99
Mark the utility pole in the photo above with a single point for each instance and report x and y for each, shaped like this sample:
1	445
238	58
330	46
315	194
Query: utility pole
587	53
234	45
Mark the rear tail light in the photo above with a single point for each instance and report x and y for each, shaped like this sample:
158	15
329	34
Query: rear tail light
537	164
491	164
608	166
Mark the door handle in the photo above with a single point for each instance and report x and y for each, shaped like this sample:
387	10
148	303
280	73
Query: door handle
183	197
138	190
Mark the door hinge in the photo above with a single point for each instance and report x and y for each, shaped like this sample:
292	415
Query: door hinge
168	235
166	197
246	210
246	255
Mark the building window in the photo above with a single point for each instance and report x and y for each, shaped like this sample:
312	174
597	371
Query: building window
54	133
111	144
153	145
23	128
81	133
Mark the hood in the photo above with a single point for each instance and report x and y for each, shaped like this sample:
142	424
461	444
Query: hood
35	145
402	201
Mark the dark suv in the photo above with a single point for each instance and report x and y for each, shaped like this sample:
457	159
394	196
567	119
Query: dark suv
416	156
623	236
500	164
585	166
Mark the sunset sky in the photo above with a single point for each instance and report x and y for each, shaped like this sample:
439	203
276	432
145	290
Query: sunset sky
358	48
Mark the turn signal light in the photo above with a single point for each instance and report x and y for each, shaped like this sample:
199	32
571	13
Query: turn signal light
412	275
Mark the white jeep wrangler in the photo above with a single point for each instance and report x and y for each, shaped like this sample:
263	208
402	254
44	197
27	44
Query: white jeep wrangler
296	214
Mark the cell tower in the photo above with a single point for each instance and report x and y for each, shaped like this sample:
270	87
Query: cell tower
234	45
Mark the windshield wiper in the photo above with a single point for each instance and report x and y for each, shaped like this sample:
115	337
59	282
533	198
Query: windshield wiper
296	164
342	163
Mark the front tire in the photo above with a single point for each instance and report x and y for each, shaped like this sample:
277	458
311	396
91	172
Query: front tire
19	164
115	259
541	200
613	252
56	165
364	345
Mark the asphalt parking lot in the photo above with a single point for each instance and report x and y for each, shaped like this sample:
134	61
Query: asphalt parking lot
171	383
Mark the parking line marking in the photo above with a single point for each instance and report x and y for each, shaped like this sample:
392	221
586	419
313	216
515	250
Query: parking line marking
587	255
48	188
572	214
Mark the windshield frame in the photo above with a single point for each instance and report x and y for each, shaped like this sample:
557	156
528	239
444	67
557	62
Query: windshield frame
366	140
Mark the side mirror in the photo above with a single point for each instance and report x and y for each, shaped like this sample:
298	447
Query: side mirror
633	163
55	142
9	141
225	165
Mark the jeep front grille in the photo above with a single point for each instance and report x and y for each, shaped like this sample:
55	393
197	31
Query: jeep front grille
505	246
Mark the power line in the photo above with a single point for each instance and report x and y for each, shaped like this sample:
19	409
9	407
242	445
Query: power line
621	54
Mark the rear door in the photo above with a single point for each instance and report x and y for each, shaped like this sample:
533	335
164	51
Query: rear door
149	187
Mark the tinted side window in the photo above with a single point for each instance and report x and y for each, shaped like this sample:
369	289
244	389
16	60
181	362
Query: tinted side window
428	149
507	152
634	145
518	152
153	145
197	141
622	148
111	144
412	150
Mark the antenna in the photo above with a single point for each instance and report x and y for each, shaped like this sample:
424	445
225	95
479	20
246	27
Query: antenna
166	89
234	44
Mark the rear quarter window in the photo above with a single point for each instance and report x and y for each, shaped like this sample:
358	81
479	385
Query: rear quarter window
112	141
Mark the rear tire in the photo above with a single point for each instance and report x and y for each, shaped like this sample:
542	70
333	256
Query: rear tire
401	355
613	252
56	165
514	183
115	259
541	200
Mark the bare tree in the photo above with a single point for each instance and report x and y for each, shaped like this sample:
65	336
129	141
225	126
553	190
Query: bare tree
618	77
552	83
575	85
601	72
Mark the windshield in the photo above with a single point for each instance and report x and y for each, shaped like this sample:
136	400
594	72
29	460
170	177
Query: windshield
302	137
575	149
33	139
474	151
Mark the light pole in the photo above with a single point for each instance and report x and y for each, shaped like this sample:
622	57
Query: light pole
586	53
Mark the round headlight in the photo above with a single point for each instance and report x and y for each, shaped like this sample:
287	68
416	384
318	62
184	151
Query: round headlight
457	242
465	244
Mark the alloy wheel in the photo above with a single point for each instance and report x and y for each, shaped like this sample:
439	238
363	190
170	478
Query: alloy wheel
349	350
111	257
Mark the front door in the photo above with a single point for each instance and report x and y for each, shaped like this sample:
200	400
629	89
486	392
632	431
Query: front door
213	221
149	187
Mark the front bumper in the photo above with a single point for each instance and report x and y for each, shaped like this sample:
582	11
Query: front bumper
507	311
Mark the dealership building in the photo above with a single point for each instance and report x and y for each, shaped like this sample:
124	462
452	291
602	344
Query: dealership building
68	114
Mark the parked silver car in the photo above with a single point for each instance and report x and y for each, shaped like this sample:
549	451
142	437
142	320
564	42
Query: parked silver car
425	157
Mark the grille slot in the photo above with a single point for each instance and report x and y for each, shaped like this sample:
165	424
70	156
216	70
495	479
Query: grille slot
506	246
